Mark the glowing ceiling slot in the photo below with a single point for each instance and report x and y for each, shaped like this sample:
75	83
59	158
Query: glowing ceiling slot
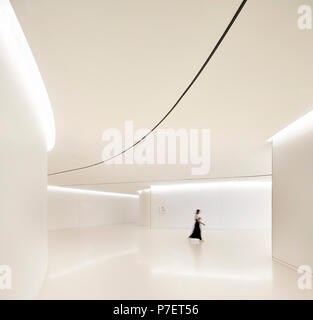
91	192
300	125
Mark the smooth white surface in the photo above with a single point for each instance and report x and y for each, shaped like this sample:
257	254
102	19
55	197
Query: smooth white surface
131	262
253	87
69	208
19	56
23	175
223	204
293	195
144	207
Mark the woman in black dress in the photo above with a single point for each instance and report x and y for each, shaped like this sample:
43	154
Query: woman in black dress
196	234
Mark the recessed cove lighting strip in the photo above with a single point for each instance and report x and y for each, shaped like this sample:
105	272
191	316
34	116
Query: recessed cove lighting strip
297	127
91	192
14	46
215	185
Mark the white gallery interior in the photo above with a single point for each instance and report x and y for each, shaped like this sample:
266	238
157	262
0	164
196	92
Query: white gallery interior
71	70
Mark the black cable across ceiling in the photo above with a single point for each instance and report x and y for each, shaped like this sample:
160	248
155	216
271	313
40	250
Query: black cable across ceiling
175	104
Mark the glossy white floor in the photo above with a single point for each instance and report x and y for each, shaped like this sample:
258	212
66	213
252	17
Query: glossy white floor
130	262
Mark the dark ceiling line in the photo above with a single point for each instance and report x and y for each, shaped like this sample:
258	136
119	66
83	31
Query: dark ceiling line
175	104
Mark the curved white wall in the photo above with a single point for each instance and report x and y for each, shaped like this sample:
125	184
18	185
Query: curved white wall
73	208
229	204
23	232
26	131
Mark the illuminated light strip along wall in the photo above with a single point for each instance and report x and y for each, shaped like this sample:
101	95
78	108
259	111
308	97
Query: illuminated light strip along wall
216	184
91	192
297	127
21	59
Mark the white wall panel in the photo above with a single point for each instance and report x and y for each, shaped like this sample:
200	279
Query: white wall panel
70	208
232	204
293	193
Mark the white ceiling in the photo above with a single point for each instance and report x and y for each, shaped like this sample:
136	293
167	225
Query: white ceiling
104	62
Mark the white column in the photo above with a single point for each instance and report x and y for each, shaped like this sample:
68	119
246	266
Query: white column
144	208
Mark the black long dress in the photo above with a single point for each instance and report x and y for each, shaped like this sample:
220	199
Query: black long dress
196	233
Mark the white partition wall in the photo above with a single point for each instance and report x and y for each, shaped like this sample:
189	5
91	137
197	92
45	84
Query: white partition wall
26	130
144	207
72	208
293	193
224	204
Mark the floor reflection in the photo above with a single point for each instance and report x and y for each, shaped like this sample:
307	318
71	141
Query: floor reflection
99	263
